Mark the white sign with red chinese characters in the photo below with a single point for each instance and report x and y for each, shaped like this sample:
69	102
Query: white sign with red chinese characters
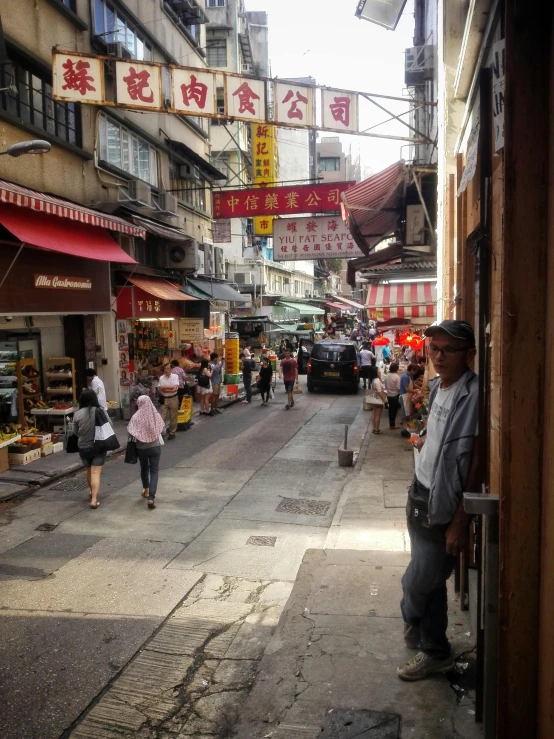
294	104
194	91
339	110
138	85
245	98
321	237
78	78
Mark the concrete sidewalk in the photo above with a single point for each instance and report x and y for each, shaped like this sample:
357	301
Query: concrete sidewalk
339	639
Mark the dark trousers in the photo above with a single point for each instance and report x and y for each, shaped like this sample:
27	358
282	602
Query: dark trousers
264	392
394	405
424	602
247	382
149	459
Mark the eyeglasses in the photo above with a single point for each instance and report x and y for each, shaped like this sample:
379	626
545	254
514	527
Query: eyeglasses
446	351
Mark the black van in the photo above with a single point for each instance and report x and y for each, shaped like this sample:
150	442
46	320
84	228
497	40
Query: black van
334	363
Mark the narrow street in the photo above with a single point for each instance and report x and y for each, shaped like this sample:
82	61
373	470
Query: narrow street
241	497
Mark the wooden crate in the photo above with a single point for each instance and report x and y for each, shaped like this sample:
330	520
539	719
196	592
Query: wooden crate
4	464
47	449
26	458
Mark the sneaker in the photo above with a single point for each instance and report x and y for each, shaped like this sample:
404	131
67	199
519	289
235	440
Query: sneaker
291	403
422	665
412	637
245	401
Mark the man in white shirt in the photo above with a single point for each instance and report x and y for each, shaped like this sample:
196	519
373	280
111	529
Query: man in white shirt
169	388
366	355
97	385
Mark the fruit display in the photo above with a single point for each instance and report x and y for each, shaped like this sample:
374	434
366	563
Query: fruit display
60	369
31	388
112	403
29	372
9	431
8	369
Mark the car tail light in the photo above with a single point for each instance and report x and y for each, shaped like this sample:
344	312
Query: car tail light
309	365
355	368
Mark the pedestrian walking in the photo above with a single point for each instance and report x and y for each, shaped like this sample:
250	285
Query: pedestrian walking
447	465
392	390
205	387
264	383
216	368
84	423
288	370
247	366
379	393
168	388
366	355
96	384
146	426
406	390
176	369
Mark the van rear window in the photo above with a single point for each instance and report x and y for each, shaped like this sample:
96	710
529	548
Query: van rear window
334	352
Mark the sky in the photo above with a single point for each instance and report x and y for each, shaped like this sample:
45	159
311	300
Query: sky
325	40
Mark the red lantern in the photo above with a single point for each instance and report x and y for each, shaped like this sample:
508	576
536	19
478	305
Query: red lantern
381	341
416	342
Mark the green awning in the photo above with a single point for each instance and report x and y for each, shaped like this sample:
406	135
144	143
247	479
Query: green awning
304	309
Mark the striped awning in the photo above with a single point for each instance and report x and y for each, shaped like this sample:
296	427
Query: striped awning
402	300
374	206
25	198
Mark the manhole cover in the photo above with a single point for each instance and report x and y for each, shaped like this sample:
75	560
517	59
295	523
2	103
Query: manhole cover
46	527
262	541
312	493
76	484
301	505
340	723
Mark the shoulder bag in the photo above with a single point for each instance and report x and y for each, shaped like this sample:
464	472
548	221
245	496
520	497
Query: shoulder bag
105	439
131	456
72	445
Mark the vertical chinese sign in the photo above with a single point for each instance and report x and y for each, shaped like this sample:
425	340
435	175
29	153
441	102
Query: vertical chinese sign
264	165
193	91
78	78
339	110
294	104
138	85
245	98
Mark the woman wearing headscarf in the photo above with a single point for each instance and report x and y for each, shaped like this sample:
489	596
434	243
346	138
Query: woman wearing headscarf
146	426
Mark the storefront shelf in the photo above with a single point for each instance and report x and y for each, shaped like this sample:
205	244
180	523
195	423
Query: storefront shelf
58	376
51	411
9	441
60	391
30	395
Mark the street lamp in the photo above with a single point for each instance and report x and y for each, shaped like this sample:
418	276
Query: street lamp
383	12
36	146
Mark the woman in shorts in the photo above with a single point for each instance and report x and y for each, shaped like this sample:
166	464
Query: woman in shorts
84	422
205	388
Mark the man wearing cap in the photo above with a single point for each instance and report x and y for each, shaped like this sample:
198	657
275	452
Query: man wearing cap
446	466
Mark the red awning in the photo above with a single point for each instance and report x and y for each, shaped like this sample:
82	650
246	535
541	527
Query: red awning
336	306
62	235
159	288
25	198
374	206
349	303
402	300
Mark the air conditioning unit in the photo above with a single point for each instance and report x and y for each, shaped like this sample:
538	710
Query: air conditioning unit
419	65
118	50
186	257
140	193
415	225
243	278
189	172
167	203
209	261
219	261
247	68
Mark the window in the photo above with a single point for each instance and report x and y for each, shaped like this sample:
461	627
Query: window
124	149
191	191
34	104
70	4
329	164
216	49
113	28
215	3
334	352
222	164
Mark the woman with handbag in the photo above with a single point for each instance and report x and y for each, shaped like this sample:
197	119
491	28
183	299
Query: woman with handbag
146	427
378	397
205	388
84	426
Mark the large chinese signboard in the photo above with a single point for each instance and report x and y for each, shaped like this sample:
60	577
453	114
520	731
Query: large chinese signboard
321	237
264	160
132	302
193	91
278	201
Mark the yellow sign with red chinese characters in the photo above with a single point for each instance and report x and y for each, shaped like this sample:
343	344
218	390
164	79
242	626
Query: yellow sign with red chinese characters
264	169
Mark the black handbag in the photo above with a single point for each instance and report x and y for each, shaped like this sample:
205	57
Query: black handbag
131	456
72	445
105	439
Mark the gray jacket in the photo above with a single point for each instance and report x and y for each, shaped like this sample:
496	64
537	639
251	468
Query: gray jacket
454	457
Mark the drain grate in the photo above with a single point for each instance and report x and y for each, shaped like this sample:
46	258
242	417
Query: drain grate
340	723
262	541
311	493
46	527
302	505
75	484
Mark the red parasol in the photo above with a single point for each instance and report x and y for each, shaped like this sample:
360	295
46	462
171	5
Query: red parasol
381	341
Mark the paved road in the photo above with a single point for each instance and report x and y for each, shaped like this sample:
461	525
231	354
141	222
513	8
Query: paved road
115	621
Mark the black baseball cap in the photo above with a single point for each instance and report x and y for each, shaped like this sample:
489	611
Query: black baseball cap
458	329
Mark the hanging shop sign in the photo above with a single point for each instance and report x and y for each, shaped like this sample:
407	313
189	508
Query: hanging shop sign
193	91
191	330
275	201
321	237
57	282
264	155
132	302
498	78
232	356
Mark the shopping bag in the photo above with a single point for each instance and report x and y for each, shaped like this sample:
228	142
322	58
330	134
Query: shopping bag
374	400
105	439
297	389
72	444
131	451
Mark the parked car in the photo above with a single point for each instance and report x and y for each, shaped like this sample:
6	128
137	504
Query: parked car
334	363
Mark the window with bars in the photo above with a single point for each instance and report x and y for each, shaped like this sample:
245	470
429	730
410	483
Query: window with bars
113	28
215	3
216	50
33	102
124	149
190	191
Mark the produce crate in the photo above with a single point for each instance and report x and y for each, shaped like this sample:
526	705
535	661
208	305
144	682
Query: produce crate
44	437
26	458
57	447
232	379
47	449
4	464
29	447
